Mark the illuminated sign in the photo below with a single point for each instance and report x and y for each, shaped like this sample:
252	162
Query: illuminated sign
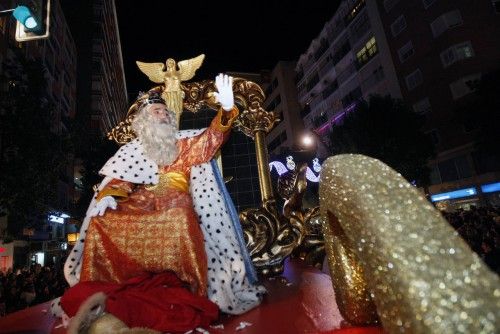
454	194
2	249
282	168
56	219
490	187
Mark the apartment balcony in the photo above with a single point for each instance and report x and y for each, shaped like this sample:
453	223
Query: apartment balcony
376	77
346	73
316	101
312	82
326	69
343	50
335	31
322	49
356	9
330	89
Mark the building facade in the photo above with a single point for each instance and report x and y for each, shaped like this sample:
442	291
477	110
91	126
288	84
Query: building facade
109	102
440	50
429	53
281	97
57	55
348	61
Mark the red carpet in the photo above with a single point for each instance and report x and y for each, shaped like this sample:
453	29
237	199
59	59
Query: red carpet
303	304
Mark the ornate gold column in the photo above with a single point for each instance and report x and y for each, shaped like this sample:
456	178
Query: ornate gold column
255	122
266	191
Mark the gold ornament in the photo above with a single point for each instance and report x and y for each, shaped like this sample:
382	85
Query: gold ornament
422	276
349	282
309	245
171	78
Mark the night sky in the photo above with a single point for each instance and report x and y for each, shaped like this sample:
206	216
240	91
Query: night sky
245	36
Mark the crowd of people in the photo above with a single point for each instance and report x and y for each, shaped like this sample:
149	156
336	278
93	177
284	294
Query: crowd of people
26	287
480	228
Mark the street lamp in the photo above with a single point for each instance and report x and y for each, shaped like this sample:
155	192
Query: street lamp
307	140
313	141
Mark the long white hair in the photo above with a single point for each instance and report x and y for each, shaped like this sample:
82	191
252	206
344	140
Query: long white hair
157	138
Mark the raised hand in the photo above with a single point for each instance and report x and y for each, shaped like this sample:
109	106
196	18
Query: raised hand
225	95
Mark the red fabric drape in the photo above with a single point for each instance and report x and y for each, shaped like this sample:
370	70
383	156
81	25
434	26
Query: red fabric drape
155	301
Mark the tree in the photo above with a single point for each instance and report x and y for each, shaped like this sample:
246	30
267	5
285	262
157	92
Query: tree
32	154
386	129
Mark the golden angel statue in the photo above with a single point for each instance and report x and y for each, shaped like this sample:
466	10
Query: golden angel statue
171	78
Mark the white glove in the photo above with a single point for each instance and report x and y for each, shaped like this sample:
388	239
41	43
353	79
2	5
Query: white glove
102	205
225	96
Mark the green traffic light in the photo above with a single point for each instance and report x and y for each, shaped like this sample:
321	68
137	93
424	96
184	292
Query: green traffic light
24	15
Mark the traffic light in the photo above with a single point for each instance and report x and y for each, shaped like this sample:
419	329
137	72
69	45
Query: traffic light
33	20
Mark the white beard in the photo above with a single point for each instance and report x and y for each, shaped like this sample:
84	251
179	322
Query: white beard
157	138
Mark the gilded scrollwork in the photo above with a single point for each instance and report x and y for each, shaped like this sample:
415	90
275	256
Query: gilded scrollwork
270	238
310	243
197	95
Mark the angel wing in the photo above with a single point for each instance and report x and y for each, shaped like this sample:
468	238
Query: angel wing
278	165
154	71
188	67
311	176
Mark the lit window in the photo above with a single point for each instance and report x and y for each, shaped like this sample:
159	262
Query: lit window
414	79
465	85
398	26
457	52
445	22
406	51
367	52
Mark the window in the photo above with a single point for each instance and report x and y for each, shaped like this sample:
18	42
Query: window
445	22
465	85
414	79
367	52
457	52
496	6
389	4
423	106
428	3
406	51
398	25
